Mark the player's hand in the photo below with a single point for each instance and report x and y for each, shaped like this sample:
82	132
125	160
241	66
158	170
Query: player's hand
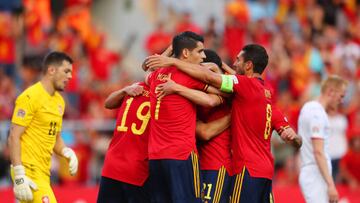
288	135
22	184
157	61
168	51
169	87
134	90
333	194
73	161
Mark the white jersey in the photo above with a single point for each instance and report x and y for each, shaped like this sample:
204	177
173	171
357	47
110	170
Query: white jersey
313	123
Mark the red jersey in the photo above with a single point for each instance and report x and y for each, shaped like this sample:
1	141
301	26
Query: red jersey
253	120
173	118
127	157
216	152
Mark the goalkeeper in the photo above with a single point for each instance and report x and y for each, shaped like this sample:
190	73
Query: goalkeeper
35	132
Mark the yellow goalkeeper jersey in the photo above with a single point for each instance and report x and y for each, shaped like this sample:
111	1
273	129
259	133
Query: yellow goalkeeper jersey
41	115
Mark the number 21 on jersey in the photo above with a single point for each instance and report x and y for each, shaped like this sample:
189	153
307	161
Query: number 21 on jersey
144	118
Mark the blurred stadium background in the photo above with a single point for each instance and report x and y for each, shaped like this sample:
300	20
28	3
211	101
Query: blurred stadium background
306	39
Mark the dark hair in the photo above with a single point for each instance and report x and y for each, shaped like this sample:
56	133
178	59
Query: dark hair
185	40
56	59
213	57
257	55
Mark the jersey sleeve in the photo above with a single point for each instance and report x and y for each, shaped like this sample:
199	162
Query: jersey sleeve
317	124
24	110
279	121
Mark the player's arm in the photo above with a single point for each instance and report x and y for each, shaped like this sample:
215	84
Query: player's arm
14	143
23	185
282	127
198	72
195	96
66	152
168	52
206	131
318	147
289	136
115	98
228	69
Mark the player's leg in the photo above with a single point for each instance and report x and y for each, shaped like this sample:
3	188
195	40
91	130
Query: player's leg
216	186
247	189
313	186
44	193
158	181
184	179
137	194
110	191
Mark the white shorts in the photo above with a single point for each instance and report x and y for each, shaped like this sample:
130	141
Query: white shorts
313	185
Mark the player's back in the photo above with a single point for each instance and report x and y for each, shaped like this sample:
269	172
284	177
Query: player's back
127	157
251	127
173	118
41	114
215	152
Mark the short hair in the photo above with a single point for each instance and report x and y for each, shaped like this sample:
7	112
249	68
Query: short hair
333	81
213	57
257	55
55	58
185	40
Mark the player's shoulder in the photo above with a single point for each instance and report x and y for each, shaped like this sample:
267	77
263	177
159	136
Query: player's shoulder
32	93
160	73
312	107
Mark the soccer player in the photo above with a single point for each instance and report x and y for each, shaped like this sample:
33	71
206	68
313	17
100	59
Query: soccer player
214	135
35	132
315	177
126	169
174	166
251	124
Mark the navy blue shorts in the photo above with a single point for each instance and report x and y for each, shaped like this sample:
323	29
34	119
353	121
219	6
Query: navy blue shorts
216	186
176	181
113	191
247	189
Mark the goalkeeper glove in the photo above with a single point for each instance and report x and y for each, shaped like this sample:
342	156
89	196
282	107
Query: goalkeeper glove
73	161
22	184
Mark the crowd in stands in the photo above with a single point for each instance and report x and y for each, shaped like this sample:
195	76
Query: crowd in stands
306	39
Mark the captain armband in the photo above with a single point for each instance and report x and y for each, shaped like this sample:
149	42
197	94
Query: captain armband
227	83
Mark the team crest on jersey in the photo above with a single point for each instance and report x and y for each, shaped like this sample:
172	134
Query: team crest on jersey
267	94
21	113
45	199
60	109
